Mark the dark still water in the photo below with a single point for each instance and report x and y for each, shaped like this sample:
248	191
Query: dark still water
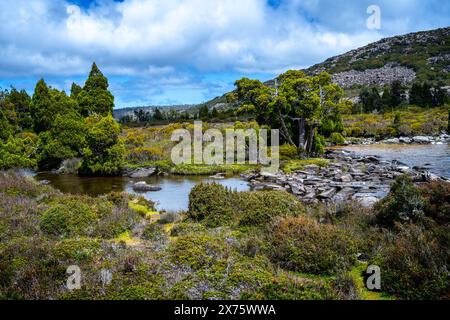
174	195
436	158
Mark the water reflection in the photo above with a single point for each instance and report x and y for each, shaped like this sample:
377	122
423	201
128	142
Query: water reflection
173	196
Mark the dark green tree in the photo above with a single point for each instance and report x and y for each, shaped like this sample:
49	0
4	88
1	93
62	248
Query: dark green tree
440	96
297	105
8	117
75	89
104	153
448	122
371	100
415	94
21	101
65	139
42	109
396	93
95	96
214	113
6	129
157	115
203	112
421	94
397	123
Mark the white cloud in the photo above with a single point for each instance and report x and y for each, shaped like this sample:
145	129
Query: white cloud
162	39
136	34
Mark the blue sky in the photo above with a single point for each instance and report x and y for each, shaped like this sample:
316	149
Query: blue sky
187	51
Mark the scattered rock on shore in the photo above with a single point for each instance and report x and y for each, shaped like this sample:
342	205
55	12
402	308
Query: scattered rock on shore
141	172
348	176
142	186
443	138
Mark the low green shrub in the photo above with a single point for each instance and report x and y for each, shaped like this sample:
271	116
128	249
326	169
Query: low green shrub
301	244
289	288
154	231
77	249
116	222
215	205
288	151
259	208
62	220
414	262
197	250
337	138
403	203
143	155
436	197
210	202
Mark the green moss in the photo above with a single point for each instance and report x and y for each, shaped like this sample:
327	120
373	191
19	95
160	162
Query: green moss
143	210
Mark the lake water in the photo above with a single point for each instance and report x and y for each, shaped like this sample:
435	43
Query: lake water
436	158
174	195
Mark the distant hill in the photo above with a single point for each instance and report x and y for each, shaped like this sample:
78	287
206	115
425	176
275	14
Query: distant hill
422	56
119	113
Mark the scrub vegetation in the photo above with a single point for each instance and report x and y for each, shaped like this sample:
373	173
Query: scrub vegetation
228	245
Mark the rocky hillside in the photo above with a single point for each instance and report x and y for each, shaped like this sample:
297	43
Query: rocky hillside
421	55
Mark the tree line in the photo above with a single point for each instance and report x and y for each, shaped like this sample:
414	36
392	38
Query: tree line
49	127
394	95
141	117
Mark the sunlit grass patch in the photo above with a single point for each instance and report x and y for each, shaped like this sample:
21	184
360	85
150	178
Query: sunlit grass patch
204	169
127	238
299	164
357	274
143	210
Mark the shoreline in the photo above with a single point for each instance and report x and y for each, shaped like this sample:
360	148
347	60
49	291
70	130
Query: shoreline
440	139
348	176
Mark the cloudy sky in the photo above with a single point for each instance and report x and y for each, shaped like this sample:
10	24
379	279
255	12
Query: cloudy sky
162	52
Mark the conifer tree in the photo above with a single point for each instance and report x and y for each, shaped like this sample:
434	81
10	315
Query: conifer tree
75	90
42	109
95	96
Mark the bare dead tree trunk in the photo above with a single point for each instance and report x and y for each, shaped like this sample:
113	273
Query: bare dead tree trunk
309	142
301	133
284	128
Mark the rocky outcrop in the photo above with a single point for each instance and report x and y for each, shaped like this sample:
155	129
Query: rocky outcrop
348	176
380	76
140	172
142	186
